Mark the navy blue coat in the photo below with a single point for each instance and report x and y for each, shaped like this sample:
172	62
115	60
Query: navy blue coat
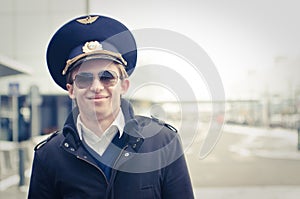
149	165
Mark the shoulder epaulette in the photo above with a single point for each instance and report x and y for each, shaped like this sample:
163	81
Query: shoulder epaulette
42	143
161	122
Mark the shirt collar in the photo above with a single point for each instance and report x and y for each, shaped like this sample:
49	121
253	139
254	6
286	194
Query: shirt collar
118	123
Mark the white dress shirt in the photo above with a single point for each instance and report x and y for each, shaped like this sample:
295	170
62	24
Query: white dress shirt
100	144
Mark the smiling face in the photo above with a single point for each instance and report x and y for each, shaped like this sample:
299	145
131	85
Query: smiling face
98	101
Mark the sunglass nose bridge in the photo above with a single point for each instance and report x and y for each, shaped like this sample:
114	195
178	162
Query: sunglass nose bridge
96	85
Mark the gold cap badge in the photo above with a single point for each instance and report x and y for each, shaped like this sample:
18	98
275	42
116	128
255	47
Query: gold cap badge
91	46
87	20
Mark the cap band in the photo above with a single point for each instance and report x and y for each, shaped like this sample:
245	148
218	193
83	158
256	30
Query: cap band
109	55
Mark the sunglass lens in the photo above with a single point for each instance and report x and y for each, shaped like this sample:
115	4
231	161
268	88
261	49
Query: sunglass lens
108	78
84	80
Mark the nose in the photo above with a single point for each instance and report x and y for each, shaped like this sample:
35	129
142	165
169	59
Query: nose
96	85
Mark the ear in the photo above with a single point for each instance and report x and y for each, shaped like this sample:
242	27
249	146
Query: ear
70	91
124	86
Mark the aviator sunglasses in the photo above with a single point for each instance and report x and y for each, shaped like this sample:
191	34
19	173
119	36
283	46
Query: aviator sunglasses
107	78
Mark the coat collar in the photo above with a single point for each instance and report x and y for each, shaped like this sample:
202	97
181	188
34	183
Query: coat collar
131	130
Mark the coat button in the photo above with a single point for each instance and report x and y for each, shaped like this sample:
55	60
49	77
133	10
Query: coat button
138	139
66	144
72	149
126	154
134	146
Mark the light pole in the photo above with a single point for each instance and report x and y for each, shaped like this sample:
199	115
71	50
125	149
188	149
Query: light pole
87	7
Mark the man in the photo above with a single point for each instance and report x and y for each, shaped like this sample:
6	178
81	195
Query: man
104	150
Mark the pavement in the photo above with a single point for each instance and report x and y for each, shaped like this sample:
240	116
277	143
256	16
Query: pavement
267	192
284	145
283	148
14	192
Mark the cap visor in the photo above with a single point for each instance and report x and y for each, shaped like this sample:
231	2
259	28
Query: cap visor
93	57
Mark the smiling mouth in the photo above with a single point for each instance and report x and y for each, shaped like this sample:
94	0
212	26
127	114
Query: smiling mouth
98	97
